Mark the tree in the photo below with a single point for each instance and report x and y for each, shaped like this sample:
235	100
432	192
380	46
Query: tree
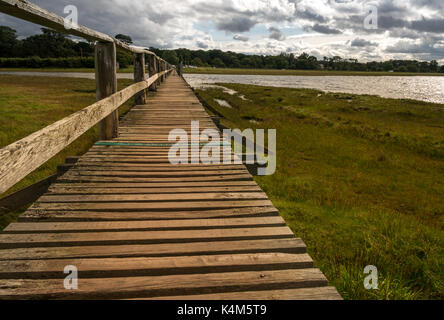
124	38
197	62
218	63
433	66
49	44
171	57
8	42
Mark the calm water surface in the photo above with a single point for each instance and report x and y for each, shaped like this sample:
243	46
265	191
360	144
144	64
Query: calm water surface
430	89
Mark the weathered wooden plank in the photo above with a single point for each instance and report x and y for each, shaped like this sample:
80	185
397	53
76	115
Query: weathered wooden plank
140	237
153	206
132	267
154	174
140	215
173	285
58	189
161	184
295	246
118	226
197	180
319	293
49	198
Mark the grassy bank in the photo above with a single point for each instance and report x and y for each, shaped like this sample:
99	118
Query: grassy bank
359	178
273	72
29	104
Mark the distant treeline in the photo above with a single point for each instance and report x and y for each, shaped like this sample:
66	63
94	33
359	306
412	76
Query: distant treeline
220	59
51	49
54	49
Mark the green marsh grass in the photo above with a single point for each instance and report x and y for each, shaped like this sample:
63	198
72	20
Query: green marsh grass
359	178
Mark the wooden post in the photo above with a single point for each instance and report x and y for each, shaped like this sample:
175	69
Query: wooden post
106	85
152	70
158	63
163	69
139	75
162	78
181	68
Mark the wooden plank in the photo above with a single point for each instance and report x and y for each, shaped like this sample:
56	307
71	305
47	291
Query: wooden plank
319	293
197	180
153	206
161	184
105	165
132	267
140	237
153	225
173	285
140	215
49	198
59	189
295	246
154	174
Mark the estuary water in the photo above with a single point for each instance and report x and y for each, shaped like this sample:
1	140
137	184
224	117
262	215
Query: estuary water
429	89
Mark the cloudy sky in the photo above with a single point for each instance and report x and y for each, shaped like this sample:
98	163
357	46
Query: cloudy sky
405	28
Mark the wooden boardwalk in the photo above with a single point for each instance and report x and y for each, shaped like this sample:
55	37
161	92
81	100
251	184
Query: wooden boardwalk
137	227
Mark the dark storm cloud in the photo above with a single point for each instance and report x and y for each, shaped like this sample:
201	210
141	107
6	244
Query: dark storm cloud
431	25
236	24
276	34
358	42
325	29
311	16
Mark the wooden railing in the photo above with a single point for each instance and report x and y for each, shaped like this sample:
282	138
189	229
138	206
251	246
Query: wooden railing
26	155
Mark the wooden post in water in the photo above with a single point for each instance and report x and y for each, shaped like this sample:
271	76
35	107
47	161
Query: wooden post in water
152	70
106	85
139	75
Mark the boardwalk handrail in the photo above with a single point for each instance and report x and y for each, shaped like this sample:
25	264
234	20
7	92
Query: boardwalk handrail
26	155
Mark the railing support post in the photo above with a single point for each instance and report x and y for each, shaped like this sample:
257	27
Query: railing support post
106	85
159	68
163	69
139	75
180	69
152	70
